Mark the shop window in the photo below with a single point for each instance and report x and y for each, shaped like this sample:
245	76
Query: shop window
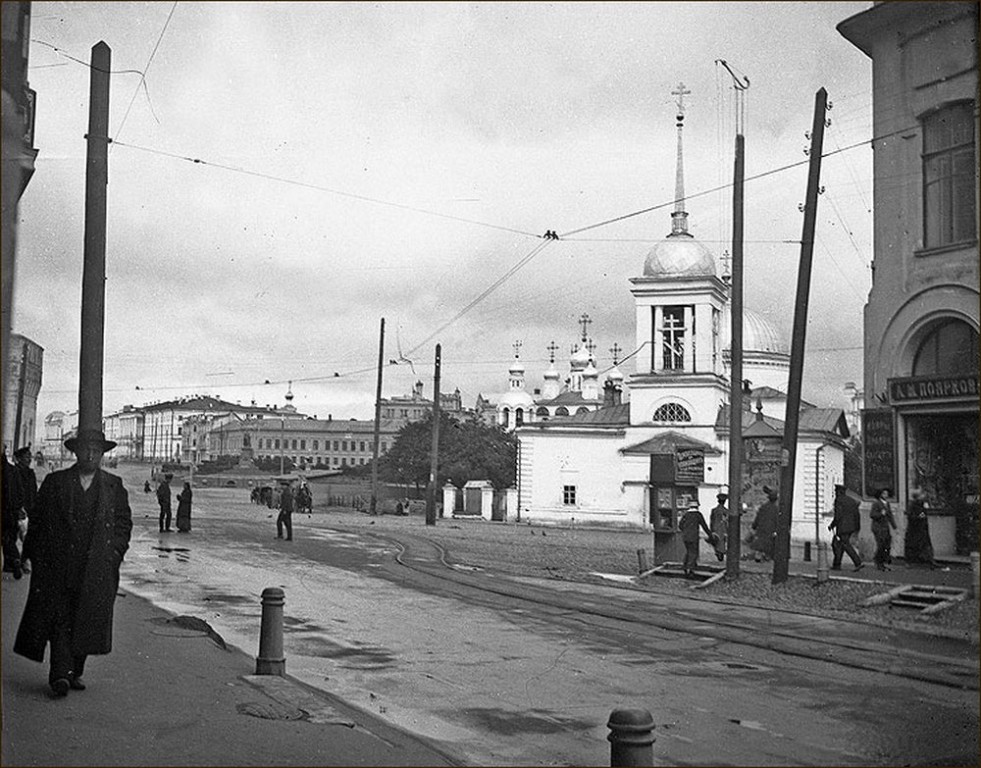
948	176
672	412
950	349
569	495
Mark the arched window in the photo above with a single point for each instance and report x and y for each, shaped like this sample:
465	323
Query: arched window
505	418
561	411
542	411
582	409
950	349
672	412
519	417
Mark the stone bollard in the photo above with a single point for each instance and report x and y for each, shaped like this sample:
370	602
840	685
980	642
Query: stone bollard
271	660
823	573
975	574
631	737
642	560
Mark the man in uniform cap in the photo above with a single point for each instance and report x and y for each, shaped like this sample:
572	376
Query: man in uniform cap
78	536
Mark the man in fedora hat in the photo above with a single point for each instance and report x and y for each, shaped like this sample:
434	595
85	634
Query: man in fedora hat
76	541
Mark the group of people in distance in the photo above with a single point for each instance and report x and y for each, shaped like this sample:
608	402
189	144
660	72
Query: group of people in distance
183	505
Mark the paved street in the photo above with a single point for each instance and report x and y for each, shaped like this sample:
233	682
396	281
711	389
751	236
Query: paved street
519	684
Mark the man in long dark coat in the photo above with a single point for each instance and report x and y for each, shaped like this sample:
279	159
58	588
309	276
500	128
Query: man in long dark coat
163	499
846	522
76	541
765	526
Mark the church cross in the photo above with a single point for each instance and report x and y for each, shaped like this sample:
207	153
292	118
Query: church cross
517	346
615	351
551	351
584	321
681	93
591	346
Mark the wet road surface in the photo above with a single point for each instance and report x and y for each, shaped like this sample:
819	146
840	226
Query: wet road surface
507	682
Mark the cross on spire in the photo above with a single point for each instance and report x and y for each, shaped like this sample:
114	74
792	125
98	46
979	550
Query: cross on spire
591	346
517	346
679	223
615	351
681	92
552	347
584	321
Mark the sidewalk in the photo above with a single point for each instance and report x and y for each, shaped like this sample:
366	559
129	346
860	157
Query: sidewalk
169	695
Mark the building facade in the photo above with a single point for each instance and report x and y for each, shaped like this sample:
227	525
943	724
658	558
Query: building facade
24	365
415	406
644	457
920	422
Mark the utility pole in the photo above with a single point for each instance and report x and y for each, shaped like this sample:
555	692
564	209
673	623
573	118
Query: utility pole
282	444
92	350
434	460
788	458
373	509
734	527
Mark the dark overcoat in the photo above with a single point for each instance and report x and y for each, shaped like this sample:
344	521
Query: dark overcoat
847	519
47	543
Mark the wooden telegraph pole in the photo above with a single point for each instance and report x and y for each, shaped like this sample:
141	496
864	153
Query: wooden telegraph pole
373	509
434	461
92	350
788	458
734	528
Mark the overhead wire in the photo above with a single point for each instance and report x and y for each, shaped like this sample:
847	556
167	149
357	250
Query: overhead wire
146	69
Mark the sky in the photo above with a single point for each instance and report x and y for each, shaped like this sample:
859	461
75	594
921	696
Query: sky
285	175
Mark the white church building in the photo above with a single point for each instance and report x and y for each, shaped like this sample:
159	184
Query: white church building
660	439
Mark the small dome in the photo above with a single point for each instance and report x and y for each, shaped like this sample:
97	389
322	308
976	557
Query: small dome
580	358
590	372
552	373
679	255
517	368
759	335
615	375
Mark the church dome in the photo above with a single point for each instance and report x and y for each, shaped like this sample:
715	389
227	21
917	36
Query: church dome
759	335
679	255
580	358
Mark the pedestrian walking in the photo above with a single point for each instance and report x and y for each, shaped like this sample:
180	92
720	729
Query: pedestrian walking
765	526
10	517
285	517
146	486
27	491
882	522
917	547
163	499
184	509
78	536
719	523
689	524
846	523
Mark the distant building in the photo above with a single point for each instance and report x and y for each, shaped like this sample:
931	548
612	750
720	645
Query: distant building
920	423
308	443
24	364
58	427
156	432
415	406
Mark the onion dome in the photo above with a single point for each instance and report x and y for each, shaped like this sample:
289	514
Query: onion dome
759	335
679	255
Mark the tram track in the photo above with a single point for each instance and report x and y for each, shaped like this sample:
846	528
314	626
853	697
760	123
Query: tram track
772	630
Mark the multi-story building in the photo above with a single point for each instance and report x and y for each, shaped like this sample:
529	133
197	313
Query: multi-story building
25	363
162	434
58	427
920	423
414	407
307	442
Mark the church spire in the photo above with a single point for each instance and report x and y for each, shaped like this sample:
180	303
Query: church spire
679	219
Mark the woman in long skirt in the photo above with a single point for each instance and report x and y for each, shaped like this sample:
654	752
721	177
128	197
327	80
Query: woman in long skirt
184	509
917	545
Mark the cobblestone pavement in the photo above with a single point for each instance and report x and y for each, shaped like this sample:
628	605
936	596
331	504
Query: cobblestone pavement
610	556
